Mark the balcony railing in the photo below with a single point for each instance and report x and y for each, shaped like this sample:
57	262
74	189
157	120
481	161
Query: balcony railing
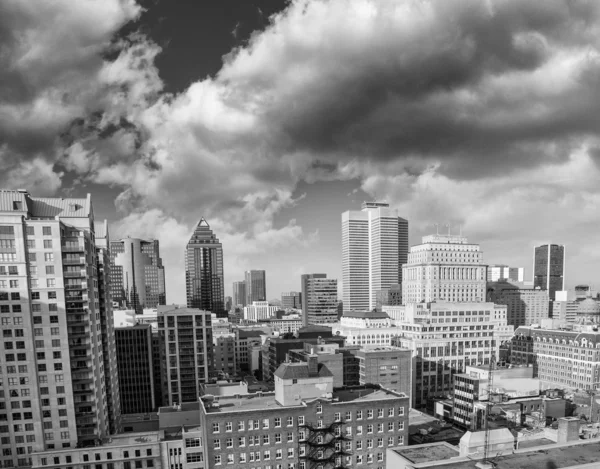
73	248
76	274
70	261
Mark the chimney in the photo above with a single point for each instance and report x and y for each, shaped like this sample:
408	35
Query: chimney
313	365
568	429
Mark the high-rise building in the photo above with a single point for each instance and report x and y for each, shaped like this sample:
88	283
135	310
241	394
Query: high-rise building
136	369
291	300
321	300
444	267
374	247
228	303
239	293
186	338
256	286
497	272
549	268
205	287
137	274
304	287
389	297
52	364
109	347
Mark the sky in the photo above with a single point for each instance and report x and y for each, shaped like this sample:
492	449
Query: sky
271	118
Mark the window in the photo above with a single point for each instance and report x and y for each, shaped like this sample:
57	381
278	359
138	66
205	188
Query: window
55	331
290	452
55	342
337	416
380	442
15	296
50	282
301	420
369	444
217	444
46	230
400	411
379	413
53	319
359	415
380	428
278	454
31	256
49	257
390	426
229	426
400	425
370	413
290	421
217	459
51	295
348	416
267	455
47	244
241	425
277	422
319	409
52	307
49	270
359	459
277	437
265	439
369	428
14	284
229	443
16	308
36	308
359	430
230	459
390	441
242	457
391	412
265	423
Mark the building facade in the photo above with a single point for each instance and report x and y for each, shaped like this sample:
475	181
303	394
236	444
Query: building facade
524	306
391	296
549	268
291	300
52	369
137	274
304	293
256	286
304	424
205	288
259	310
444	267
239	293
498	272
186	338
374	247
321	300
445	338
390	367
135	361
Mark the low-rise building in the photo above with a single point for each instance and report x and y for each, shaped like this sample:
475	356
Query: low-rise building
388	366
258	311
524	306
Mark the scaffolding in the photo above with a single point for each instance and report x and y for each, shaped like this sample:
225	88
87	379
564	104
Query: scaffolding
324	446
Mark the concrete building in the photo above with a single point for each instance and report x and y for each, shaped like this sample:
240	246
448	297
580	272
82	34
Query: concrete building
499	272
444	267
291	300
245	341
564	359
366	319
256	286
374	247
304	293
563	309
205	287
109	347
186	338
137	274
390	367
224	356
136	367
549	268
53	360
391	296
524	306
239	293
445	338
321	300
287	323
305	423
323	354
259	310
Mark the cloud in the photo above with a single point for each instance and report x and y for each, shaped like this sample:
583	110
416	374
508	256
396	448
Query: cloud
461	110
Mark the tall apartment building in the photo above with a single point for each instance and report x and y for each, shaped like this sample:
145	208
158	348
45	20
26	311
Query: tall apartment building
52	370
239	293
186	338
321	300
291	300
444	267
498	272
256	286
524	306
205	287
136	369
304	424
374	247
445	338
304	292
109	347
137	274
549	268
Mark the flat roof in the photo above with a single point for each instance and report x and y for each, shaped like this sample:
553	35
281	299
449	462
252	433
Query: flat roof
185	407
130	439
562	456
428	453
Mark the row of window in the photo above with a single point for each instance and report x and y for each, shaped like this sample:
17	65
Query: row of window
97	457
253	456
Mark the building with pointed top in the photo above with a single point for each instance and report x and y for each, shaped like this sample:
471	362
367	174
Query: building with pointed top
205	287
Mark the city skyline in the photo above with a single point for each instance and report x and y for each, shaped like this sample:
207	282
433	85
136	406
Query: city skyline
195	121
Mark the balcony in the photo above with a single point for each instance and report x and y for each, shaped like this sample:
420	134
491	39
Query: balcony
73	248
76	286
76	274
78	261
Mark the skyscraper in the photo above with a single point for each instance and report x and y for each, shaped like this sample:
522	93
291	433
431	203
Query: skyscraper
52	371
374	247
256	286
321	300
239	293
549	268
304	287
291	300
444	267
137	274
204	271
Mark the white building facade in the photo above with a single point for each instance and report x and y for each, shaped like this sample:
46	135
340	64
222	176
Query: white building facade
374	247
259	310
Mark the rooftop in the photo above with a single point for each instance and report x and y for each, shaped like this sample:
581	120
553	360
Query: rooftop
428	453
300	370
185	407
365	314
